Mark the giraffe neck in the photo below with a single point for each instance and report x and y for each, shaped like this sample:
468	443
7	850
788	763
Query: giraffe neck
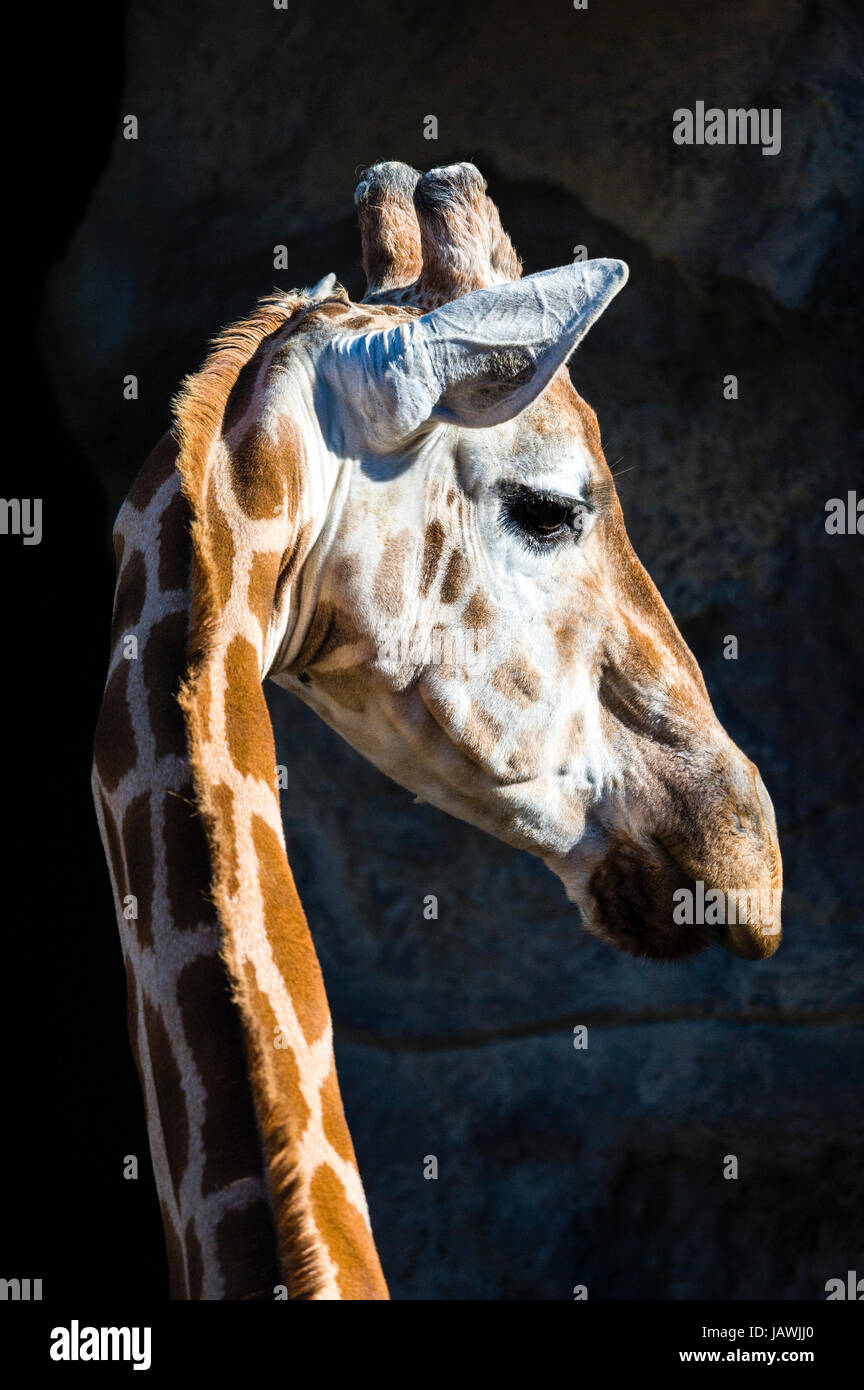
255	1171
183	1029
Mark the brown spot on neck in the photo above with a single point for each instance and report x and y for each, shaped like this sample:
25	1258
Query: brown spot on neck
163	668
156	471
221	544
288	933
267	474
187	860
263	573
346	1236
333	1118
211	1026
247	727
115	751
129	597
175	555
138	854
247	1255
170	1096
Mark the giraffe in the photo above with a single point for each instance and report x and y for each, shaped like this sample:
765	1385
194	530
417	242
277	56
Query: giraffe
342	482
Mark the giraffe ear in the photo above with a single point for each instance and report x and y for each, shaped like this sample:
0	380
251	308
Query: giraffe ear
479	360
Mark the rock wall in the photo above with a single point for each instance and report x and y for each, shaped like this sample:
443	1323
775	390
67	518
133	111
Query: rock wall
557	1166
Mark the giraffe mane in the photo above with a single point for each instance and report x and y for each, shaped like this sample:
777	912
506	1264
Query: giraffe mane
199	408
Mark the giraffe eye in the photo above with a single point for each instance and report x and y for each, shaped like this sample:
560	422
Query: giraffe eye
542	517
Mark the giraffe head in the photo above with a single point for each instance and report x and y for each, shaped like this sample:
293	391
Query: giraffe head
469	613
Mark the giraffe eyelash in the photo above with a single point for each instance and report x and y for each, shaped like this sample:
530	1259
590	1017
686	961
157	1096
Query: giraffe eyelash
542	519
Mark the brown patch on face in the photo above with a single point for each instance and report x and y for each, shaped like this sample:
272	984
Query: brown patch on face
346	1236
246	1251
266	474
566	636
282	1063
442	713
288	933
187	861
174	549
226	835
636	593
170	1098
156	471
517	680
637	709
524	761
634	688
129	598
330	629
211	1025
389	584
347	570
164	664
195	1260
262	584
222	546
333	1117
177	1286
477	616
482	732
119	543
433	543
114	749
247	727
454	577
138	842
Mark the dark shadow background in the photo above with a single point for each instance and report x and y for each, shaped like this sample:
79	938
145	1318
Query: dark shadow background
454	1038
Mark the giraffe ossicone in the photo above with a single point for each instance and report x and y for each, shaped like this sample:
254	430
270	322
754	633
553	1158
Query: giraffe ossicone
398	510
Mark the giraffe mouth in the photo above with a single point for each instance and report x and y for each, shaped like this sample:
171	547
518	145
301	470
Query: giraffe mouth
635	896
632	903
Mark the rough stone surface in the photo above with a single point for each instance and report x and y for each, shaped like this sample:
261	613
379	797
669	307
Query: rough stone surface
556	1167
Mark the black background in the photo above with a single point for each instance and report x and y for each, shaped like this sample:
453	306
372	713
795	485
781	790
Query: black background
68	1075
